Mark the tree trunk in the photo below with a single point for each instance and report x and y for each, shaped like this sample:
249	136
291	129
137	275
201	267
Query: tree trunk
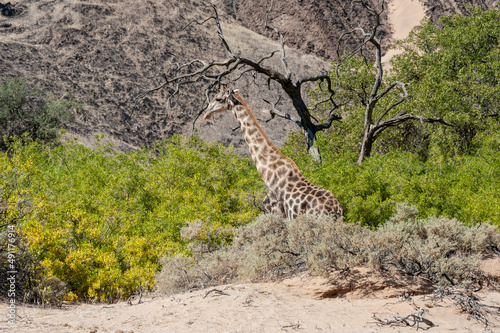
294	92
312	149
366	146
314	152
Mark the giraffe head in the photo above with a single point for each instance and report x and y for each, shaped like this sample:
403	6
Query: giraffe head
223	101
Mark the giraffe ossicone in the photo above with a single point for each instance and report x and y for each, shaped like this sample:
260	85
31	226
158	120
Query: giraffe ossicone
289	192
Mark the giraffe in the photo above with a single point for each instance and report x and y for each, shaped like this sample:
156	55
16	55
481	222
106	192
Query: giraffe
289	192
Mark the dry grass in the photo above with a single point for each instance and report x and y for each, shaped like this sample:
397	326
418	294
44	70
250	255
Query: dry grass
440	249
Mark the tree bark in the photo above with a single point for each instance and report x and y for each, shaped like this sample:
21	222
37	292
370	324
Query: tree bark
366	146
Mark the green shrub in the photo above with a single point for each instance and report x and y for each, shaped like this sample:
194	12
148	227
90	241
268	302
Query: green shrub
24	109
463	187
98	220
453	171
15	256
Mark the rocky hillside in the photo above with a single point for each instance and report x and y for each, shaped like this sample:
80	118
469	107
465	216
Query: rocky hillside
436	9
106	53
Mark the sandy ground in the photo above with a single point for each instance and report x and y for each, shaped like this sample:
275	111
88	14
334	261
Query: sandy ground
251	308
404	15
278	307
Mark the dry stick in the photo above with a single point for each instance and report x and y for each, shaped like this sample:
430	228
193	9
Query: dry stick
275	112
413	319
129	300
248	303
293	326
468	304
220	292
282	42
417	318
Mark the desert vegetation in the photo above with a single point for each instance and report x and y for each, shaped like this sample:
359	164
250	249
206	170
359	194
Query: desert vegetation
99	221
25	110
440	249
99	224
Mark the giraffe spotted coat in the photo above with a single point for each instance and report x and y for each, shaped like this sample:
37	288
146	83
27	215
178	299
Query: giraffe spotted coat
289	192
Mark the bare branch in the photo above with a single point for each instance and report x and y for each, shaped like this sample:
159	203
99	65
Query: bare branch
367	37
390	87
250	70
385	91
401	118
207	101
269	72
404	117
269	56
221	35
351	53
412	320
188	78
214	71
199	22
275	112
282	43
218	291
329	121
330	98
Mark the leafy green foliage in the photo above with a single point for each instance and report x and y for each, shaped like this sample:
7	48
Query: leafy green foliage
99	220
450	171
454	73
93	224
24	109
463	187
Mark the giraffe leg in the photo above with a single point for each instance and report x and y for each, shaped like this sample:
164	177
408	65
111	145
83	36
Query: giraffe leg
267	205
271	205
289	211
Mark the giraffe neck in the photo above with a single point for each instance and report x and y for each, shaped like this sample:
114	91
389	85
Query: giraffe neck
267	158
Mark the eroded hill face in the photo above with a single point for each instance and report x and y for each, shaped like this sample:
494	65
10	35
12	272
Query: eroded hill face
105	53
436	9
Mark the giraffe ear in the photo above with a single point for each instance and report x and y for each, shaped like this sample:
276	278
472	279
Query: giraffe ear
232	98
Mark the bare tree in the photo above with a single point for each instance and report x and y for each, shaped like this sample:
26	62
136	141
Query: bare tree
373	125
214	72
370	40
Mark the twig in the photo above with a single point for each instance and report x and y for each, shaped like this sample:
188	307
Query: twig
282	42
412	320
468	303
275	112
220	292
129	300
292	326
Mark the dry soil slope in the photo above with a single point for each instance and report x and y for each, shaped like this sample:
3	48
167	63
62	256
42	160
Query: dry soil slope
106	52
438	8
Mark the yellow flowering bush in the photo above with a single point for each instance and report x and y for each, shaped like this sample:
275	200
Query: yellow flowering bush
99	220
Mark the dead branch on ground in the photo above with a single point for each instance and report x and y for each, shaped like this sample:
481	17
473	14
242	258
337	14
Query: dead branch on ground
292	326
415	319
218	291
468	303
